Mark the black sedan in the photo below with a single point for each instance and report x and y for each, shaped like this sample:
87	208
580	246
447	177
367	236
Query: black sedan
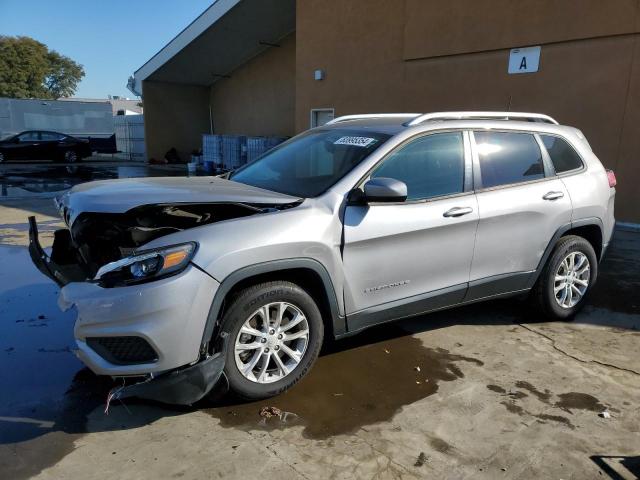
41	145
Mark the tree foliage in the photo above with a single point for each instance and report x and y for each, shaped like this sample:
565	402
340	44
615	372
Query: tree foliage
28	69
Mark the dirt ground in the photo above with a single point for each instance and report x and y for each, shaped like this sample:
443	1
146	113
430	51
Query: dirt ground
487	391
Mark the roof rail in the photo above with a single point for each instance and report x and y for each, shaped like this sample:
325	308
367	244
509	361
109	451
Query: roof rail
530	117
364	116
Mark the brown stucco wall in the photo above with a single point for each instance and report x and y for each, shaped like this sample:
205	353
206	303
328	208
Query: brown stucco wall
411	55
174	116
259	97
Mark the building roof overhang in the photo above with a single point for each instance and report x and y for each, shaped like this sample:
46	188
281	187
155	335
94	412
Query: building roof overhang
222	38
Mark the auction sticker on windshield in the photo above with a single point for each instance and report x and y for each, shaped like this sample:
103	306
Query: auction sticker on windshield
355	141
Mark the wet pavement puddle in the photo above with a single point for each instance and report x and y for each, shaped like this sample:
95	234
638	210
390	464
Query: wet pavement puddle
567	402
354	387
45	394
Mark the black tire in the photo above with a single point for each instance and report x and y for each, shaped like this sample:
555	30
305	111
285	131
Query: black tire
246	303
543	293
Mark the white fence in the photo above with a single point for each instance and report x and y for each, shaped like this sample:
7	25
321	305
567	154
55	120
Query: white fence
130	136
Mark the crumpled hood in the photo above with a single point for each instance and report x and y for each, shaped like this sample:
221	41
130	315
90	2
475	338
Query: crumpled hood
119	196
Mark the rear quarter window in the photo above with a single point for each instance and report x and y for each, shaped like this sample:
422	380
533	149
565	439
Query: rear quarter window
563	156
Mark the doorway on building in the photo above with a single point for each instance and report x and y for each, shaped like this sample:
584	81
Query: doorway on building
320	116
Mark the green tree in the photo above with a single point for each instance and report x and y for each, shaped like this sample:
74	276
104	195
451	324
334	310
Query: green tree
28	69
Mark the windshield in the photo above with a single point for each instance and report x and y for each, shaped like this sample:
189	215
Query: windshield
310	163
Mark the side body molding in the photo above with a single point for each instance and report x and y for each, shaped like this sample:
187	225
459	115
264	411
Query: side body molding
337	319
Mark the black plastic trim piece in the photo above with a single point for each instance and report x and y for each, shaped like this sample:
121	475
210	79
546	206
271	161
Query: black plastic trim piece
554	240
231	280
182	386
406	307
497	285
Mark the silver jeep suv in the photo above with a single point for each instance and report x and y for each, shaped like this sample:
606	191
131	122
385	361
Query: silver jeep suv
368	219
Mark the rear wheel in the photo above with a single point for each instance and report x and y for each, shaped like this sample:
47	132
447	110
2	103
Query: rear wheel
567	278
275	333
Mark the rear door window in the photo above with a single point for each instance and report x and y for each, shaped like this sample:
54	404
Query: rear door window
508	157
563	156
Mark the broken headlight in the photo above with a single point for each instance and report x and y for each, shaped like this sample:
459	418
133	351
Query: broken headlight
146	265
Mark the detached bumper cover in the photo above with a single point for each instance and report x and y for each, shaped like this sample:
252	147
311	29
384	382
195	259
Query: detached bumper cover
40	259
184	386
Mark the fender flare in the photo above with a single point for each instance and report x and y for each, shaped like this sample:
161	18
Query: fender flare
554	240
338	320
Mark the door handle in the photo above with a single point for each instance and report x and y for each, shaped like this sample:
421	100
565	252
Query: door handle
457	211
553	196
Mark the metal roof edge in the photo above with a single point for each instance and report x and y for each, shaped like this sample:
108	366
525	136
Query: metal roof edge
192	31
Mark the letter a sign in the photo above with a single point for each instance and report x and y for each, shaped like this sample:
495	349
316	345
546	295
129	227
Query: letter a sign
524	60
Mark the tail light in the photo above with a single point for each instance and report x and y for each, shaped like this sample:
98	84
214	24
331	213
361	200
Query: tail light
612	178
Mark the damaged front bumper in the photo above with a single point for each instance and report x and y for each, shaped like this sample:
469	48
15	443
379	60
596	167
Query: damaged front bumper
59	273
184	386
152	330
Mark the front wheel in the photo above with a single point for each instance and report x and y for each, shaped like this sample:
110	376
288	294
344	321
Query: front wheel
275	333
70	156
567	278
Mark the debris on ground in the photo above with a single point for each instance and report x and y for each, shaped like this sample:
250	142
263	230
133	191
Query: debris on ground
41	317
338	394
421	460
417	369
270	412
604	414
386	351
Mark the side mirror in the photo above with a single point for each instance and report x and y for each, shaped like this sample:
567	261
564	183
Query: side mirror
385	190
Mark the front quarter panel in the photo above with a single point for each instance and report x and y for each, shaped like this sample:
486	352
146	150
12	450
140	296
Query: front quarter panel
312	230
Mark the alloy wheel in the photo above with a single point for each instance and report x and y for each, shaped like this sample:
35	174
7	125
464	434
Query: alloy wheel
271	342
70	156
572	279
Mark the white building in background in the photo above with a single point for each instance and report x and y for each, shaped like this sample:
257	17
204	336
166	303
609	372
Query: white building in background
119	105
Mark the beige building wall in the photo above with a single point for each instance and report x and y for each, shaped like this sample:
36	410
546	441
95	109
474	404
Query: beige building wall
174	116
416	56
259	97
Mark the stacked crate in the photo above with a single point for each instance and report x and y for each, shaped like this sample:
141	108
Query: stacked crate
228	152
212	152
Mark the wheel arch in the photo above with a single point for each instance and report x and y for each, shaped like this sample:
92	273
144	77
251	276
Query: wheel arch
306	272
591	229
